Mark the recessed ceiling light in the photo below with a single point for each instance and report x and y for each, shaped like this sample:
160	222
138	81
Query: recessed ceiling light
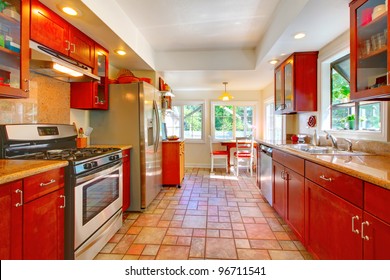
120	52
70	11
299	35
274	61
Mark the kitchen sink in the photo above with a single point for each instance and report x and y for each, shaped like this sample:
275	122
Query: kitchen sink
322	150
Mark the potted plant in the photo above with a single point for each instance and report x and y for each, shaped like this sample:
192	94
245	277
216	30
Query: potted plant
351	121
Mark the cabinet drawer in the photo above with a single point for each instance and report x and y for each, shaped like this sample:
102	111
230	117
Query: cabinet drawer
43	183
347	187
376	201
295	163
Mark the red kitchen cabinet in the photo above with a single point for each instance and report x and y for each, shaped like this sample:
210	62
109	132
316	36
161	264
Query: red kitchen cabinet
173	162
289	191
43	227
33	223
296	83
15	50
331	225
370	59
92	95
375	230
52	31
126	179
11	202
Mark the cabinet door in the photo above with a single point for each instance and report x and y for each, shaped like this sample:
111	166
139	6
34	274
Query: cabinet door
126	179
11	203
369	51
295	210
288	87
329	222
376	233
82	48
43	227
279	95
279	189
14	50
181	161
49	29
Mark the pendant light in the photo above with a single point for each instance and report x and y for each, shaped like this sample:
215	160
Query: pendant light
225	96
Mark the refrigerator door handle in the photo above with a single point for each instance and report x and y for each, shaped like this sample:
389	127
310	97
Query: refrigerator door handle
157	139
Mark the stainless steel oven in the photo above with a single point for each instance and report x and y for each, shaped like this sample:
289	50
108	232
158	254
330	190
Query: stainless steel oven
93	182
98	209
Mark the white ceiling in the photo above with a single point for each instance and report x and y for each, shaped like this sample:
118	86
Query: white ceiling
198	44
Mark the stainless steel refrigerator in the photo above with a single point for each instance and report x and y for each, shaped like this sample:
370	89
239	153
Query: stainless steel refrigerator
134	118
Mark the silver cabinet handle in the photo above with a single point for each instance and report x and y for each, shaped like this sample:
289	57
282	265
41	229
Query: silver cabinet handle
67	45
74	48
365	237
47	183
64	204
20	203
353	224
282	175
323	177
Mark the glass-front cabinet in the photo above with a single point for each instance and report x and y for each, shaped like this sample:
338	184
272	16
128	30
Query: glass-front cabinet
369	51
93	95
296	83
14	48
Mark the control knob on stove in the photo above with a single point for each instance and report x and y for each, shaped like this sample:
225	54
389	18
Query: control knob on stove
115	157
90	165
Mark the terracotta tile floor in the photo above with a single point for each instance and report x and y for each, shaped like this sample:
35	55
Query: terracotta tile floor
213	216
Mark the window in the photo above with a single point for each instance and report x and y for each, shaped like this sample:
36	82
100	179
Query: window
232	120
186	120
347	115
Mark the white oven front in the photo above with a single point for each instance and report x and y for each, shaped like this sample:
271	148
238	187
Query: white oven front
98	210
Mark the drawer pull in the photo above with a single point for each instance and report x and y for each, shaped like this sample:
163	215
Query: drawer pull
20	203
353	224
64	204
48	183
365	237
325	178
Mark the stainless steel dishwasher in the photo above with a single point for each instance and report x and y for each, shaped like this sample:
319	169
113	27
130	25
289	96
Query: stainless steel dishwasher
266	173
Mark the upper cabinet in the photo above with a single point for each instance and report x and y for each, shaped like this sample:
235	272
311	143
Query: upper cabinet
369	51
296	84
92	95
14	49
52	31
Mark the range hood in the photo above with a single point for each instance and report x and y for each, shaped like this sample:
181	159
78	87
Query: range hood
44	61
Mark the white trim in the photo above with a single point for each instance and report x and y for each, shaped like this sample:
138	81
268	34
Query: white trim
213	103
192	102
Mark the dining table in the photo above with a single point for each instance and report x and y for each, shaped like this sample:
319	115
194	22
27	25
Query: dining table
232	144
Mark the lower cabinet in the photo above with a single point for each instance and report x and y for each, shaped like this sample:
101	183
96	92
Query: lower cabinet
32	224
126	179
173	162
332	225
289	191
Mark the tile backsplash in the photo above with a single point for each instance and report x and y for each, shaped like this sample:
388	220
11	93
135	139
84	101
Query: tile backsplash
49	102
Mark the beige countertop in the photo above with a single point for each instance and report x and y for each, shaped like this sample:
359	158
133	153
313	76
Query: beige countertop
374	169
123	147
12	169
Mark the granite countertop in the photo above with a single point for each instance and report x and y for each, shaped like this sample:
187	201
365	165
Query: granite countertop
12	169
374	169
173	141
123	147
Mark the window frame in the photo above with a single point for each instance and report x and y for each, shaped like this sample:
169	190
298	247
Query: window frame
181	104
325	58
251	103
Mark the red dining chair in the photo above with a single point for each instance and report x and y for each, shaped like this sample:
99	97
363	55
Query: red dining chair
217	155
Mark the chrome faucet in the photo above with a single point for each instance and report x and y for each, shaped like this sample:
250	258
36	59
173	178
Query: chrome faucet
332	138
349	143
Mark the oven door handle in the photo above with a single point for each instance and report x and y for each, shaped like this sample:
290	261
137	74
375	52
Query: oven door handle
98	174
